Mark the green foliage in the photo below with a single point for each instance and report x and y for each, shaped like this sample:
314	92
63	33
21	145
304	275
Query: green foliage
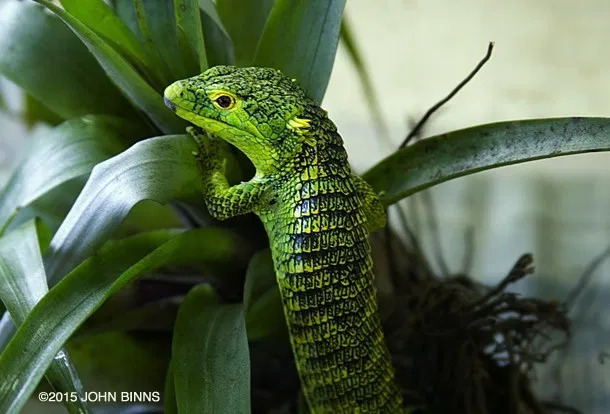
102	67
301	38
100	18
57	316
22	284
159	169
55	157
353	51
262	301
188	22
157	24
41	55
210	357
244	21
458	153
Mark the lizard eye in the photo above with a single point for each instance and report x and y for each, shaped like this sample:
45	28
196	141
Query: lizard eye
225	101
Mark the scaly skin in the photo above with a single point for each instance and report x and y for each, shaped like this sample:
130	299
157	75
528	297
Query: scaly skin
317	215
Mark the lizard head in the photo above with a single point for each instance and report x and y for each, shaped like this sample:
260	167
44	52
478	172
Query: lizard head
258	110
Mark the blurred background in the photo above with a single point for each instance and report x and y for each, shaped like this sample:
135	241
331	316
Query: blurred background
550	60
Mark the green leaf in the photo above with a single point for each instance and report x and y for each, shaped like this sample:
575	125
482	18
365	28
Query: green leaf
218	44
169	395
262	301
458	153
59	155
188	20
126	11
52	207
41	55
244	21
2	103
99	17
210	355
122	73
208	7
300	38
160	169
371	98
65	307
119	362
35	111
157	23
22	284
22	277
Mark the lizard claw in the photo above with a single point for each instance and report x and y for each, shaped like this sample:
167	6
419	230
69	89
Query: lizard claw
211	150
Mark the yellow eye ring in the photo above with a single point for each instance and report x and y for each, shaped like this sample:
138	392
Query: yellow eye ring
224	101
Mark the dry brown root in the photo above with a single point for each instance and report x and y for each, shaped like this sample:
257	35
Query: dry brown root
460	347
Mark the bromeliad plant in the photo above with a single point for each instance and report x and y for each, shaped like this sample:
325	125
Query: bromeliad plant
79	228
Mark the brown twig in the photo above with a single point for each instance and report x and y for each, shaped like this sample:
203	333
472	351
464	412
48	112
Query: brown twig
443	101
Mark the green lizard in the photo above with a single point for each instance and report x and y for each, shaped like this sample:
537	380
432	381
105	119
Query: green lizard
318	216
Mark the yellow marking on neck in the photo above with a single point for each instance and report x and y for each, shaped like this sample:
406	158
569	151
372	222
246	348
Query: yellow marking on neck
298	125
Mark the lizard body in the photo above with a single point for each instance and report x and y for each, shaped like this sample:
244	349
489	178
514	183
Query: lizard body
317	215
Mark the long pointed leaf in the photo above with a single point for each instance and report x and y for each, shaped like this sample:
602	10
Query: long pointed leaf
458	153
300	38
122	73
210	356
99	17
126	11
22	284
244	20
262	301
188	20
169	394
218	44
55	318
59	155
353	51
160	169
157	24
72	82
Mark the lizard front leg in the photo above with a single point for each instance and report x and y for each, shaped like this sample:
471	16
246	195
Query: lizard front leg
373	209
223	201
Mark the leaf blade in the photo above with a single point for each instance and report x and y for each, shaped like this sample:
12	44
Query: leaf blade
218	44
262	301
122	73
458	153
244	21
58	156
353	51
300	38
157	24
210	355
160	169
188	20
55	318
99	17
73	83
22	284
